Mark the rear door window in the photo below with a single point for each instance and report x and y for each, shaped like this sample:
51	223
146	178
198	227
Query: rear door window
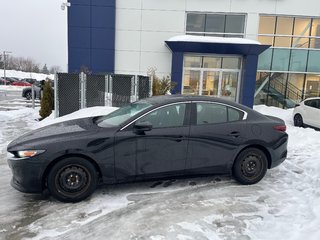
213	113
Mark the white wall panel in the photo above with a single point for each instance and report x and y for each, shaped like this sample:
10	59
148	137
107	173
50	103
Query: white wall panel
128	40
155	41
208	5
136	4
166	21
128	19
176	5
252	26
299	7
161	61
126	61
253	6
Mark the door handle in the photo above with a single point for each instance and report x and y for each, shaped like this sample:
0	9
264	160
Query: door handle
179	139
234	134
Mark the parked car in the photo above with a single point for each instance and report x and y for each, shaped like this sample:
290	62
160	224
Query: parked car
21	83
164	136
4	82
27	92
307	113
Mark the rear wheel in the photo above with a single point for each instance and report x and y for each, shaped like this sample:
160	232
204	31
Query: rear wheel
28	95
250	166
298	120
72	179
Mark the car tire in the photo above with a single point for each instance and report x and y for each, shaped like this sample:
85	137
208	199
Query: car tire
298	120
72	179
250	166
28	95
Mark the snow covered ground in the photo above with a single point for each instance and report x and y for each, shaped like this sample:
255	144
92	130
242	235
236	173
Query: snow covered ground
20	74
284	205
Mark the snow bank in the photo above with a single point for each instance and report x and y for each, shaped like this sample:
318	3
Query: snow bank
20	74
82	113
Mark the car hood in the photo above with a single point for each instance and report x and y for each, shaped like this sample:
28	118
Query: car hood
55	132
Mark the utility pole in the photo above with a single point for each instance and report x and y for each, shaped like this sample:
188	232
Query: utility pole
4	62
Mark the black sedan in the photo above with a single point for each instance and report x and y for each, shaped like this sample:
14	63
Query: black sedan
159	137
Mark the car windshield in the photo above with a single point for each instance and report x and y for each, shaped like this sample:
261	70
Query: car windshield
122	114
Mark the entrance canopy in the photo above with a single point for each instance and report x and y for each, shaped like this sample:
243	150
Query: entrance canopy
202	45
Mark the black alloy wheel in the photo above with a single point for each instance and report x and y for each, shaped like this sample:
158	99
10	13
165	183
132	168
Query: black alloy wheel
72	179
297	120
250	166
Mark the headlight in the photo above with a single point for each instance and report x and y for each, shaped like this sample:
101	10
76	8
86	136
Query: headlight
28	153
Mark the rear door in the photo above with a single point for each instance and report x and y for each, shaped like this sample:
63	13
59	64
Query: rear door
216	132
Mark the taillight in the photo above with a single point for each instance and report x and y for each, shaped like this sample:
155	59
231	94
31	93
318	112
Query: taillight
280	128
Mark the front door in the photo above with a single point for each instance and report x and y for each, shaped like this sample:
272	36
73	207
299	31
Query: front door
162	151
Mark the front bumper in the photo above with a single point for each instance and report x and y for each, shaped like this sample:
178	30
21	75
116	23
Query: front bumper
27	174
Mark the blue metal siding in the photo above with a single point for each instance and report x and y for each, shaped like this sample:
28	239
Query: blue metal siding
91	35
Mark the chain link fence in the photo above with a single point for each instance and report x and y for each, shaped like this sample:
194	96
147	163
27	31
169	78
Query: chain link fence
76	91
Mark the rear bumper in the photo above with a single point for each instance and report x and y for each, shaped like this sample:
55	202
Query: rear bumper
279	152
27	175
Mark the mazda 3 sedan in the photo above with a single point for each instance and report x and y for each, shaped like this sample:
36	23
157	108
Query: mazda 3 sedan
158	137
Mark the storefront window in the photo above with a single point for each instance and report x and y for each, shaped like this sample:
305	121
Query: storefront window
284	25
192	61
267	24
298	60
302	27
280	60
312	87
217	76
295	87
213	24
313	61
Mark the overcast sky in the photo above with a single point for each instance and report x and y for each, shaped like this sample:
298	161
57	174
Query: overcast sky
35	29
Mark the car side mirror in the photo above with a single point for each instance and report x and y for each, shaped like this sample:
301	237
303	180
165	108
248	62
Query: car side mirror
142	127
297	105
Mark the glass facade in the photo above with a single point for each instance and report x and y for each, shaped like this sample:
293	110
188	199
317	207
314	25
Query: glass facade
216	24
289	71
212	75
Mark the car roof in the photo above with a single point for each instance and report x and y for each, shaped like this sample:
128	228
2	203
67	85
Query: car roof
312	98
167	99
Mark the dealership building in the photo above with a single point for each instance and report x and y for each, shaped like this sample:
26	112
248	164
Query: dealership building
249	51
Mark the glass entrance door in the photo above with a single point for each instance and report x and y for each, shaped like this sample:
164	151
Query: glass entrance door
210	83
215	75
229	85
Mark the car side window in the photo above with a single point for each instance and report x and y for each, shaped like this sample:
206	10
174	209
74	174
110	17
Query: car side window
208	113
211	113
312	103
234	115
169	116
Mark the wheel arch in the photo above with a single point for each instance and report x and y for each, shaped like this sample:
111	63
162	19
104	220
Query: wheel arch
260	147
61	158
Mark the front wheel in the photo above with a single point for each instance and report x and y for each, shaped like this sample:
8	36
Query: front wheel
72	179
250	166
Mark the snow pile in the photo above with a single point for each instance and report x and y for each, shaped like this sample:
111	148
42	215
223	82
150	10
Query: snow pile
82	113
20	74
208	39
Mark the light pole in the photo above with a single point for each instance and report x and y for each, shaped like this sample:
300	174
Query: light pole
4	63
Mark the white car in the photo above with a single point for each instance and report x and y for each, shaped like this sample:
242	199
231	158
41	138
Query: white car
307	113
